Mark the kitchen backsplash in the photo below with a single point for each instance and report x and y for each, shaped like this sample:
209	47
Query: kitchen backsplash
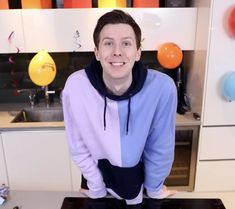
14	72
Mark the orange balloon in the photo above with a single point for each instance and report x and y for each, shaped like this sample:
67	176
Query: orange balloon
169	55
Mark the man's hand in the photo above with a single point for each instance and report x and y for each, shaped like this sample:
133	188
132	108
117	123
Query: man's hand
166	193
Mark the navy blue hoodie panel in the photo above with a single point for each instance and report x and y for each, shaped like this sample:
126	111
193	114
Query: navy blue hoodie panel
126	182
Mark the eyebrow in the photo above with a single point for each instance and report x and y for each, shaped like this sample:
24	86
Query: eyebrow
128	37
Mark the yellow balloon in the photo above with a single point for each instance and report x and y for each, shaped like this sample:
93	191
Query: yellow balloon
42	69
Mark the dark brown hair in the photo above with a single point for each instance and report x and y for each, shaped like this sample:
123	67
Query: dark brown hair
116	17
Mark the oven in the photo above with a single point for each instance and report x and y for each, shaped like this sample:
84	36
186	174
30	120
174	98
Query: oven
182	176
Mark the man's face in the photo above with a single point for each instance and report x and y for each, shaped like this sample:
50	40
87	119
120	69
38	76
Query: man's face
117	51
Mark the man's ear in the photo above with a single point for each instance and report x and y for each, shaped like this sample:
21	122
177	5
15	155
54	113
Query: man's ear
96	51
138	55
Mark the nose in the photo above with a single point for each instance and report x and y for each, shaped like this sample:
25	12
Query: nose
117	51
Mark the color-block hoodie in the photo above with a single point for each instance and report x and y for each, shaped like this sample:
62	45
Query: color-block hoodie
122	144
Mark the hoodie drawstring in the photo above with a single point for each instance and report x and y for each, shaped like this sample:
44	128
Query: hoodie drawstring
128	114
104	114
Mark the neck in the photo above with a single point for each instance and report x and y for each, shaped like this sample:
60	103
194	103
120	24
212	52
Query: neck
117	86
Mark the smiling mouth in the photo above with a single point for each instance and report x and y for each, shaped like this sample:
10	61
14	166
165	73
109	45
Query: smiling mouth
117	63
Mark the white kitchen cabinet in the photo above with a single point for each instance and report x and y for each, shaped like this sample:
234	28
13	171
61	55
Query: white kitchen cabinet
37	160
11	32
3	172
218	111
216	160
215	176
217	143
67	30
216	155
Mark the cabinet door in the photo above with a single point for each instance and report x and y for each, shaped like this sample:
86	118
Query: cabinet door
217	143
37	160
218	111
216	159
59	30
3	173
67	30
11	32
215	176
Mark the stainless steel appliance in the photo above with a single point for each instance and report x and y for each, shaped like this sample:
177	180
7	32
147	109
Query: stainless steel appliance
182	175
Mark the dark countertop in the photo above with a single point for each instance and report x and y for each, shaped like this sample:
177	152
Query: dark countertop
54	200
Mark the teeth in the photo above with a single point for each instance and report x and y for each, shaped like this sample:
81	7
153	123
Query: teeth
117	63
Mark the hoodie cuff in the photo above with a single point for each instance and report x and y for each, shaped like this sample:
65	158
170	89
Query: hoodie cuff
160	194
96	189
94	194
97	194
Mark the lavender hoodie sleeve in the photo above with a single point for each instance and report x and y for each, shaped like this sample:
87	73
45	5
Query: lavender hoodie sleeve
80	154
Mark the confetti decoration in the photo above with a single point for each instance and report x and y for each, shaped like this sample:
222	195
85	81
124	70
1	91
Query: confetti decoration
77	36
14	80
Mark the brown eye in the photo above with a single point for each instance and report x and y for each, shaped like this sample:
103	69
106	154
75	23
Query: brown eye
108	43
126	43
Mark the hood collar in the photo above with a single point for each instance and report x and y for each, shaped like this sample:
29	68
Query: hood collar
94	73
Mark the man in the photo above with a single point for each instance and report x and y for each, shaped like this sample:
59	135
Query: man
120	117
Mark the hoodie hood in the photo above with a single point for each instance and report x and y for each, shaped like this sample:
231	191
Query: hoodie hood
94	73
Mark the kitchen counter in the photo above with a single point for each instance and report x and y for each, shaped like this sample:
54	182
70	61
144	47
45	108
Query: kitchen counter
54	200
9	111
